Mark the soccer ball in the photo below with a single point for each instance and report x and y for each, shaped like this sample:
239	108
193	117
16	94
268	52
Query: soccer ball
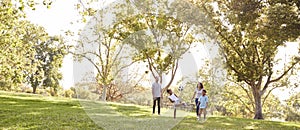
180	88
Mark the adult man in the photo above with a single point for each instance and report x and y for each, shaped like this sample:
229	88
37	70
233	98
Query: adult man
156	93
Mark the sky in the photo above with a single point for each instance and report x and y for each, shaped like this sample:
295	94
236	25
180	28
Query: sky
58	18
56	21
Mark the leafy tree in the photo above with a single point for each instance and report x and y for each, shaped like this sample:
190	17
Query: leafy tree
49	57
249	33
28	54
107	55
160	39
163	48
13	52
236	102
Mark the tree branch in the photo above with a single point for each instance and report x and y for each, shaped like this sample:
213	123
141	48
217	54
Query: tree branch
269	94
246	91
239	98
281	76
90	60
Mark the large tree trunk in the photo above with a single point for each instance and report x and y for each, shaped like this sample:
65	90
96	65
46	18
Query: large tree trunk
258	105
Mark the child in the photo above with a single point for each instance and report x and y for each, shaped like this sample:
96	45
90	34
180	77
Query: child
203	103
174	99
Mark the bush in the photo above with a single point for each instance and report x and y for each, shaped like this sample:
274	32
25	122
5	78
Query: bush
28	90
74	92
69	93
292	116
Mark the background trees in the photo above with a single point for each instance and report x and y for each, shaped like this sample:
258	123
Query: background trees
158	39
28	53
293	108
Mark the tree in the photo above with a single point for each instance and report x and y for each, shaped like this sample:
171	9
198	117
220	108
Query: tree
97	46
13	52
28	54
163	48
249	34
160	39
49	56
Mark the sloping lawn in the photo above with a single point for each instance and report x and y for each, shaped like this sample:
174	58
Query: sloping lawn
24	111
27	111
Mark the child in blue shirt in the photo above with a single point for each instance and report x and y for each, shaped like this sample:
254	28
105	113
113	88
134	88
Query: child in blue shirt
203	103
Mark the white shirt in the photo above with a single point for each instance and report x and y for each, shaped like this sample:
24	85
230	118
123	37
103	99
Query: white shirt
198	93
174	98
156	89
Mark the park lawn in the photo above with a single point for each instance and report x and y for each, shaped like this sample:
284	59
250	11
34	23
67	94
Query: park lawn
235	123
28	111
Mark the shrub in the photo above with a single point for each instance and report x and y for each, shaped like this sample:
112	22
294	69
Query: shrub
69	93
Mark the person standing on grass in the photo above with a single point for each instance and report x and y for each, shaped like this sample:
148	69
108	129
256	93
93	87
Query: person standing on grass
174	99
156	93
197	94
203	103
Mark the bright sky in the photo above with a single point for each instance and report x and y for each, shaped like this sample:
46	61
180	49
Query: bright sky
57	20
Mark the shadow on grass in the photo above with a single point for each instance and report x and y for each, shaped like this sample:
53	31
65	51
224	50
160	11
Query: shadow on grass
130	110
34	112
127	116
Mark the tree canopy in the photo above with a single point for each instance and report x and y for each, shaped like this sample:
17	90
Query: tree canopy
28	53
249	34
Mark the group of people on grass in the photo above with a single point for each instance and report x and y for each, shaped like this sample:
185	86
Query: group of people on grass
201	99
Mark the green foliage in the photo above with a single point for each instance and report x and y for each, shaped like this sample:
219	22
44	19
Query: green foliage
28	53
168	40
293	108
12	52
236	102
49	56
69	93
249	34
31	4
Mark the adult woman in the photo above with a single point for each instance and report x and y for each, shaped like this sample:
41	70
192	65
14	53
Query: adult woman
197	94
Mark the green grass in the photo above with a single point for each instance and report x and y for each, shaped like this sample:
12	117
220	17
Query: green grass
235	123
24	111
27	111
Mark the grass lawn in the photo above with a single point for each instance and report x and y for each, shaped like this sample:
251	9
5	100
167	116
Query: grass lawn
27	111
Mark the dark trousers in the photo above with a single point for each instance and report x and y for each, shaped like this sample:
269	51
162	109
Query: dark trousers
197	106
158	104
